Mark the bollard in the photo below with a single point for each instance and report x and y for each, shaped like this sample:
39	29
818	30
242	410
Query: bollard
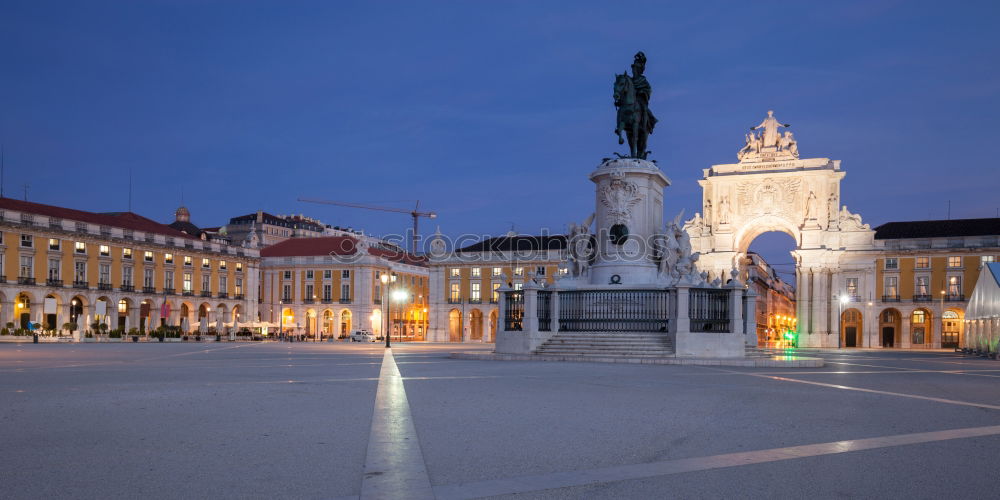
35	340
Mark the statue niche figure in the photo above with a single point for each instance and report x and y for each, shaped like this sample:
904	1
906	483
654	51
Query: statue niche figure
631	96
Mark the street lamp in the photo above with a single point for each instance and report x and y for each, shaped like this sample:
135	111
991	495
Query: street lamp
385	300
840	322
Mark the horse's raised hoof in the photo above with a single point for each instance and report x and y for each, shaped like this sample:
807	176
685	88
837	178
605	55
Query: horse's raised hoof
621	141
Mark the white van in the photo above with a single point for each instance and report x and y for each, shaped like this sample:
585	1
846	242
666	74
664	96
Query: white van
362	336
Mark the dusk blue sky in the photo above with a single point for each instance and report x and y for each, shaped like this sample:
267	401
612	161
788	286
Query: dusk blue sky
490	113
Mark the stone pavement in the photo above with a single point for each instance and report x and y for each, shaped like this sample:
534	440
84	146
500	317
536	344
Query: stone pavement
340	420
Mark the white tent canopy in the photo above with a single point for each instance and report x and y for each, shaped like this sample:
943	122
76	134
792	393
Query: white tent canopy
983	315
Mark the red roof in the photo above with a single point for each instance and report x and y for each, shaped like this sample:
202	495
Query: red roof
124	220
334	245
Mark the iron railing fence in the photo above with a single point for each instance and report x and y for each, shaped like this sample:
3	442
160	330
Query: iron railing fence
545	311
616	310
709	310
513	314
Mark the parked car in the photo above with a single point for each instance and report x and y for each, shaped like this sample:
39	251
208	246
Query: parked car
362	336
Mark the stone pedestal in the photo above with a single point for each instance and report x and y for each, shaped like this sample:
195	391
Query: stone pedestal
629	212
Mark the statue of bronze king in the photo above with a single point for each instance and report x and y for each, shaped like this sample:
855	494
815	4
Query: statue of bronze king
632	101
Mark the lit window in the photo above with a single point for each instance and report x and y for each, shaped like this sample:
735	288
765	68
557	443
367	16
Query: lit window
918	316
26	241
987	258
891	263
239	267
188	286
205	263
53	244
923	286
222	264
147	256
187	260
923	262
496	272
122	306
891	290
518	286
126	253
476	272
81	247
455	293
105	250
168	258
239	286
954	262
474	294
518	271
454	272
496	293
954	286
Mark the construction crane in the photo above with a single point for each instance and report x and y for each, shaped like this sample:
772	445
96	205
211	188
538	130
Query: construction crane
415	213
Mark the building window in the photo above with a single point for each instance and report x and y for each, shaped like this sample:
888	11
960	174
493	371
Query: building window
954	262
206	264
27	241
206	283
222	265
239	267
345	274
919	316
327	274
168	258
923	262
454	272
455	293
239	286
80	271
852	287
496	293
540	271
563	271
127	253
187	285
475	294
891	263
310	275
476	272
187	260
327	292
518	271
891	290
985	259
309	292
127	276
53	269
288	275
104	274
518	286
168	279
105	251
345	291
80	247
223	283
923	286
496	272
286	293
53	244
147	256
147	278
954	286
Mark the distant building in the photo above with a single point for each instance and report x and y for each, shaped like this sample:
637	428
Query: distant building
60	265
464	282
262	229
775	301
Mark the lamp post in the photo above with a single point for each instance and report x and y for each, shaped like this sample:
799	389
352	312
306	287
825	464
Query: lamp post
840	322
385	300
281	320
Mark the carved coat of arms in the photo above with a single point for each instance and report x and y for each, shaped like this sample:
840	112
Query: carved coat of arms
620	196
769	196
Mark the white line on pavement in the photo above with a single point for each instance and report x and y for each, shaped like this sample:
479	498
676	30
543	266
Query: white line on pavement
394	465
568	479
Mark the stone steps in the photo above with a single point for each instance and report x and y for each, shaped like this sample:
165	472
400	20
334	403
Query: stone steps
639	345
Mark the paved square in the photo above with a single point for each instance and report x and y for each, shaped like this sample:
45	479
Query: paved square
340	420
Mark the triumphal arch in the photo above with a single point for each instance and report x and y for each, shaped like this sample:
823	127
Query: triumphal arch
771	188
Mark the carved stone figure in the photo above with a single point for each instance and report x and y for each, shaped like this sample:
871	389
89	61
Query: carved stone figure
831	207
631	96
579	248
787	143
770	126
724	210
812	207
851	222
752	146
675	261
708	213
